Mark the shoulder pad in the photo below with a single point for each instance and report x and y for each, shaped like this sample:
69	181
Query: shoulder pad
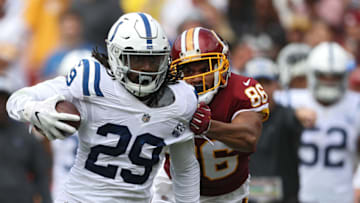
249	95
84	78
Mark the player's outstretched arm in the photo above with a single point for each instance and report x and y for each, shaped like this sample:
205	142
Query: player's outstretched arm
241	134
185	172
36	105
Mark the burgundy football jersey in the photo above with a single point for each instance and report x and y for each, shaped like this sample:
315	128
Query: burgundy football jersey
223	169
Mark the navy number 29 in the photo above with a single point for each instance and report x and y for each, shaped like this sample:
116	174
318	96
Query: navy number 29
123	132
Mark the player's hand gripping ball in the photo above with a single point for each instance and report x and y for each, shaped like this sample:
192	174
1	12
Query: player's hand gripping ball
70	108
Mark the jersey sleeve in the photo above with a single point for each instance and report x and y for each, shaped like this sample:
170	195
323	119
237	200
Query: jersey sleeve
186	106
185	172
39	92
251	97
83	79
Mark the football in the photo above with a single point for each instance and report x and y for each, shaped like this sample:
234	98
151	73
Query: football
68	107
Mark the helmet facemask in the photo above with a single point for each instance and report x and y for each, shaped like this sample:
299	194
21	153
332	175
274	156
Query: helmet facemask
141	72
215	65
329	88
138	53
328	63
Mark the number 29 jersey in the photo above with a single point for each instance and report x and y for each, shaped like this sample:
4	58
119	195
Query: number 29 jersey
223	169
327	151
121	140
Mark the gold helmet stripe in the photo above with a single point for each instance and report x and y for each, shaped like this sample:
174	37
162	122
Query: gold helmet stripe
190	40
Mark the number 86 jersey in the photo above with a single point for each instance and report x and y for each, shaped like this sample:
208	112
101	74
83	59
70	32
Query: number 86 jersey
223	169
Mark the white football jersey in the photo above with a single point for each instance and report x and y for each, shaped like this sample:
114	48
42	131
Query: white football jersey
121	140
327	151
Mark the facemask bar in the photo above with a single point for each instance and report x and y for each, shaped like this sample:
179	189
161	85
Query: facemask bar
219	69
329	92
147	81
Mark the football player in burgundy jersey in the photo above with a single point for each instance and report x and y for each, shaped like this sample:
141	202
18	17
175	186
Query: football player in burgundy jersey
238	106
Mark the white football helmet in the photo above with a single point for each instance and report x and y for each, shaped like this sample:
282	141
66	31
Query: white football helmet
136	40
260	67
328	59
292	62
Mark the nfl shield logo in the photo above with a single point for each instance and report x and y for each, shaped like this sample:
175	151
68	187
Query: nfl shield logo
146	118
178	130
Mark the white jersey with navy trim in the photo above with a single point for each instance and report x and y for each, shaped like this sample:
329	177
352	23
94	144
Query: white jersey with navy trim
327	151
121	140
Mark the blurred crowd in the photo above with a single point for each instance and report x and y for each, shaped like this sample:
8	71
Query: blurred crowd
41	39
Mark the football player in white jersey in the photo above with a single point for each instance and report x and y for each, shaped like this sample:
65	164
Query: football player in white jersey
291	62
132	111
328	149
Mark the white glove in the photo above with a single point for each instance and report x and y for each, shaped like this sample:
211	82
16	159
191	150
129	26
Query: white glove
43	115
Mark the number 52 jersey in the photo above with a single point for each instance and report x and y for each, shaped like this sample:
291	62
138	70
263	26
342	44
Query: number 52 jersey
327	151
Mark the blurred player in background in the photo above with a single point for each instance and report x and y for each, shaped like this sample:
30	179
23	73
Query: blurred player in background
327	150
131	113
274	166
12	42
238	106
292	65
291	62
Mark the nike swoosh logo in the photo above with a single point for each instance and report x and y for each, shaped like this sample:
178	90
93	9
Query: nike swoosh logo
247	82
37	117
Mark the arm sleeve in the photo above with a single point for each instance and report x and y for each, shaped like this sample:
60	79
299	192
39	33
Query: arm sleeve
39	92
185	172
